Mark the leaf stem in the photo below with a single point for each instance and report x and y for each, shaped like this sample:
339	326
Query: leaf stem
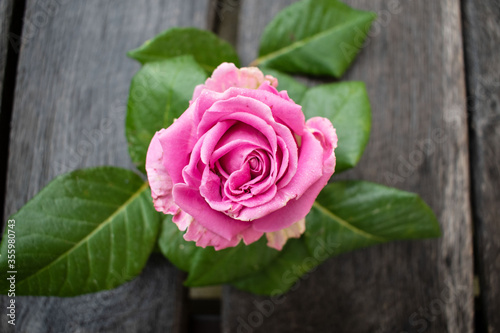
255	63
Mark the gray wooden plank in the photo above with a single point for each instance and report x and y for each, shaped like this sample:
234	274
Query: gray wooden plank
6	79
149	303
5	18
70	103
482	41
413	68
226	17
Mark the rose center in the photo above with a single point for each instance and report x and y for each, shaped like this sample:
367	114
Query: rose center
254	163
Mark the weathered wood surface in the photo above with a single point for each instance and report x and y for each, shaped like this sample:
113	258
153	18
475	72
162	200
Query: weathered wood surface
6	91
5	18
482	41
73	74
149	303
413	68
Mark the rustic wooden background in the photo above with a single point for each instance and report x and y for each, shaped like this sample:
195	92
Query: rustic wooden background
432	71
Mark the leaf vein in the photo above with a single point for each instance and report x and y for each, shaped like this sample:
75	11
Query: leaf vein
346	224
306	40
85	240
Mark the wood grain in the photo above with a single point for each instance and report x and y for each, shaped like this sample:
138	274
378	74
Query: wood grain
482	41
149	303
73	78
5	17
6	92
413	68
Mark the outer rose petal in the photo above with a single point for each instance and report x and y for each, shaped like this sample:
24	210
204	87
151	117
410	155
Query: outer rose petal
227	75
204	237
323	131
277	239
190	201
283	111
159	180
177	142
182	219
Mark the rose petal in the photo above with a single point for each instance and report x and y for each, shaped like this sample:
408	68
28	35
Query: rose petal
325	133
213	137
256	127
251	235
177	142
283	111
298	209
236	180
255	114
226	107
289	157
227	75
182	219
192	173
264	175
238	142
203	237
309	171
284	94
293	211
309	168
293	117
159	180
260	199
210	189
190	201
267	87
233	155
277	239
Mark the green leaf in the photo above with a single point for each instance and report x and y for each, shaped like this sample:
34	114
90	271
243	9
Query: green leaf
88	230
208	49
356	214
159	93
173	246
319	37
347	106
294	88
282	273
346	216
207	266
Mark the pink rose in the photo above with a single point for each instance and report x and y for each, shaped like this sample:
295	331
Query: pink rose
241	161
